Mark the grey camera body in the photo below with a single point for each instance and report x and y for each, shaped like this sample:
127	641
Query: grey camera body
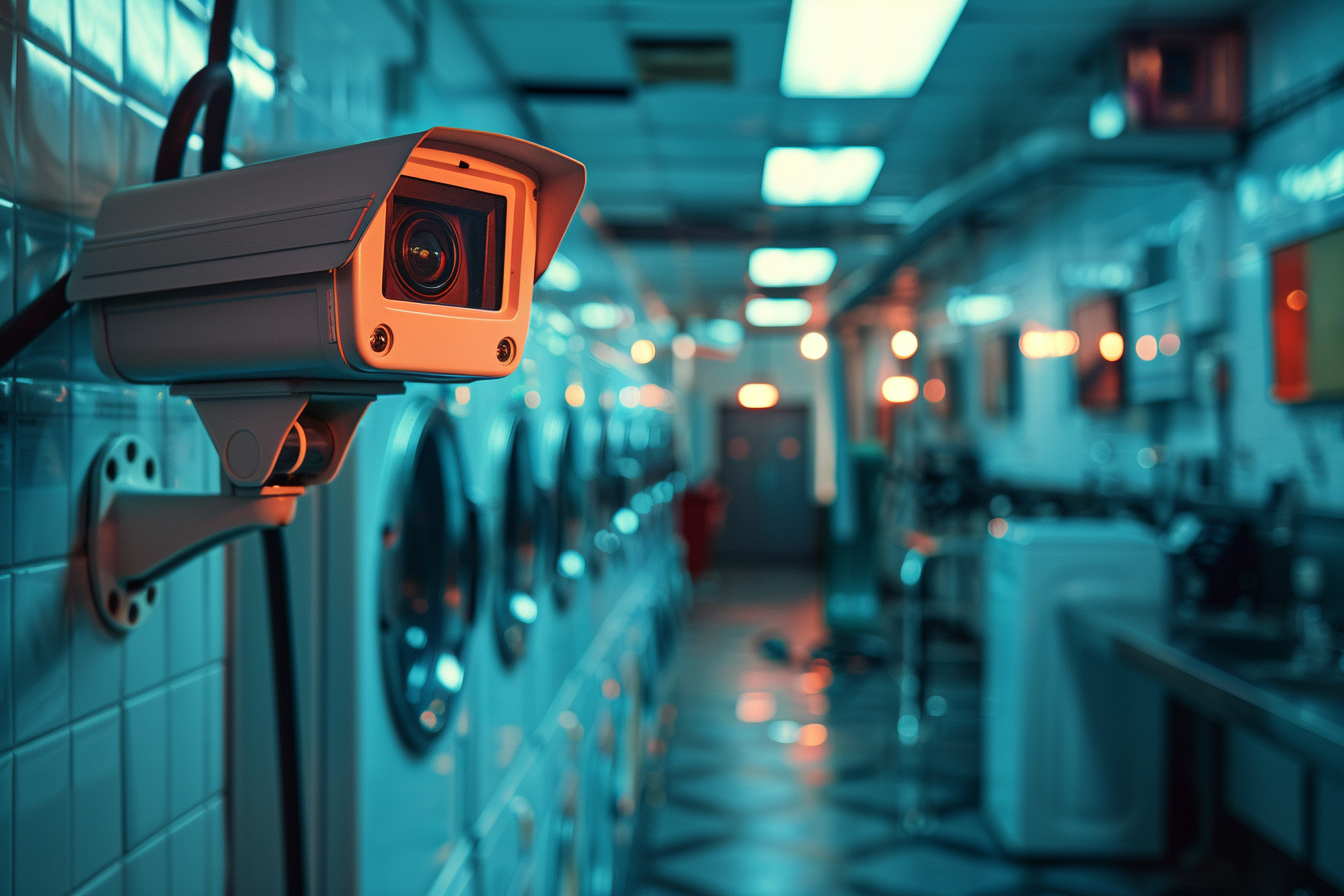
410	258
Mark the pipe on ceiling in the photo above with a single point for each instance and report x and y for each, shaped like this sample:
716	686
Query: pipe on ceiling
1031	158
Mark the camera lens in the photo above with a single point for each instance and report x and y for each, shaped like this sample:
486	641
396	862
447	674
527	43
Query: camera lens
425	253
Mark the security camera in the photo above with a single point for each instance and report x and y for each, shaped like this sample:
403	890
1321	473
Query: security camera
282	298
411	258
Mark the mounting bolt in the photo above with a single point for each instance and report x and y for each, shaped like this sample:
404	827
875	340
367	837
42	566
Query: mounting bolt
381	340
504	351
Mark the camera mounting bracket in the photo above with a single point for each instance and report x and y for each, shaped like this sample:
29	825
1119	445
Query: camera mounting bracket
283	432
274	438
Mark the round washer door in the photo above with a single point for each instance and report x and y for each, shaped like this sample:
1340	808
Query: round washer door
427	582
515	607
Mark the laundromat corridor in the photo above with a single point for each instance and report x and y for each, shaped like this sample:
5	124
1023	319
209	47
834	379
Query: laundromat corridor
779	778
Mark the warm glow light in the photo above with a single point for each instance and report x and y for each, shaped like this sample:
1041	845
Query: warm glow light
811	683
1169	344
1297	300
758	395
650	395
813	735
856	48
643	351
998	527
900	389
756	706
1048	343
1146	347
904	344
462	394
630	396
796	175
683	346
771	267
813	346
1112	346
574	395
935	391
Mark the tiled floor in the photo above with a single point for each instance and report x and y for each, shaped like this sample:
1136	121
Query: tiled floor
860	813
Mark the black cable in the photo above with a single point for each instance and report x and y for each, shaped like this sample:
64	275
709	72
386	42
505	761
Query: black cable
286	709
22	330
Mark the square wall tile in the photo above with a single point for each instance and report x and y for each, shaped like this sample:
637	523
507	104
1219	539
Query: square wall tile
95	650
42	816
216	850
146	73
106	884
41	652
216	607
146	869
140	131
186	744
96	145
188	41
184	606
6	472
8	42
42	128
214	730
8	226
6	685
42	254
42	475
98	25
7	824
144	759
188	855
49	21
95	745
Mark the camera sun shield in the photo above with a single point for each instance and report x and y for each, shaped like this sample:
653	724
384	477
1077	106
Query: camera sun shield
411	258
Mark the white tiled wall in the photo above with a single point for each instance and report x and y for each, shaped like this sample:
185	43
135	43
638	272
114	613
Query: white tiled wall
111	771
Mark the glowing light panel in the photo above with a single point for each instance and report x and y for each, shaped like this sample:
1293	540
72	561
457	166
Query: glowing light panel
796	175
1112	346
762	312
864	47
980	309
643	351
790	267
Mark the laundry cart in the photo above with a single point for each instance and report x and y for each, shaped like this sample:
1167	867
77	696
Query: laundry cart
1073	750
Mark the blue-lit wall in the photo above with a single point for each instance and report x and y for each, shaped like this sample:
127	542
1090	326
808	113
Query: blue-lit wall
112	749
1220	227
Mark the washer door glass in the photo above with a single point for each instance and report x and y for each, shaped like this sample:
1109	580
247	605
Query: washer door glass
427	596
516	607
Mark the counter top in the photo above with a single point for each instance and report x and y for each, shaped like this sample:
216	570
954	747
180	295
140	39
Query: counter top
1211	675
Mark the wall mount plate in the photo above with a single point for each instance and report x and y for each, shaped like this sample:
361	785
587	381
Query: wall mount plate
125	463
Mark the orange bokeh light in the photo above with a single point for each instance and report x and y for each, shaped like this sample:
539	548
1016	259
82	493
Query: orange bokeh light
1112	346
1146	347
900	389
998	527
812	735
935	390
1169	344
756	706
1297	300
758	395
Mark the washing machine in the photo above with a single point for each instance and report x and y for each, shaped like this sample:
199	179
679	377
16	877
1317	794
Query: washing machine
382	565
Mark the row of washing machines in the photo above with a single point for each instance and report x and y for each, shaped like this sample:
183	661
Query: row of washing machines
486	601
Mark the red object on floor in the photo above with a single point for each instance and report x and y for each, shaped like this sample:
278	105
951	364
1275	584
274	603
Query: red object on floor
702	513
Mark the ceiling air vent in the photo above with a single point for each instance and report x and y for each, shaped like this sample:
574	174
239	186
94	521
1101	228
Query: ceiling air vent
679	60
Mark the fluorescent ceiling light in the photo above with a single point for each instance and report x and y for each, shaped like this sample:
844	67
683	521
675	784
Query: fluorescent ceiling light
864	47
763	312
790	267
603	315
562	274
983	309
796	175
723	331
